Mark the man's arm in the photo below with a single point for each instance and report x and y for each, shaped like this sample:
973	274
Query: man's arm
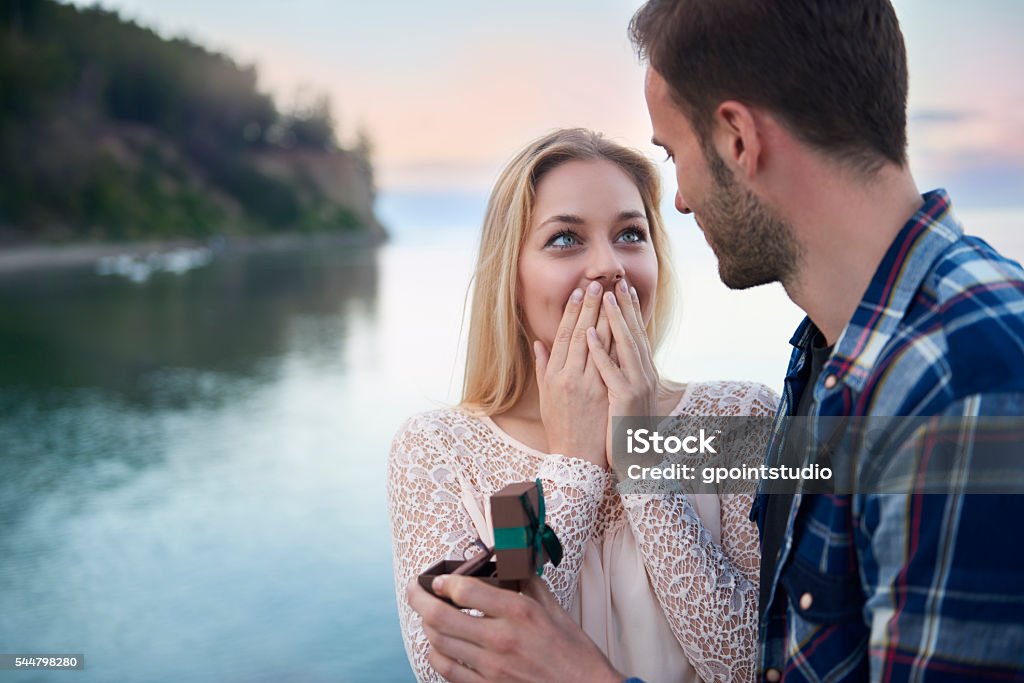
945	568
524	637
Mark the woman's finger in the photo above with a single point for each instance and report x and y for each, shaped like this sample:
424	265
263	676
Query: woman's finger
629	301
576	359
626	346
630	307
560	346
611	374
604	332
540	365
604	338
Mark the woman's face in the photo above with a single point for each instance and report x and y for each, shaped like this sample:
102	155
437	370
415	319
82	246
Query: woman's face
588	224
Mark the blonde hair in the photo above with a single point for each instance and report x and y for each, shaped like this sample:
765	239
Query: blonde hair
499	357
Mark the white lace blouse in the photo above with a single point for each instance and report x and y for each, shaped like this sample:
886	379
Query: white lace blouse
666	585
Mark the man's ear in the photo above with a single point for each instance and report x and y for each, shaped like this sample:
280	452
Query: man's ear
737	137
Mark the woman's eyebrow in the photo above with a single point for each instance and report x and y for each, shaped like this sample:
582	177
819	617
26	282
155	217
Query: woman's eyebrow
573	219
564	218
627	215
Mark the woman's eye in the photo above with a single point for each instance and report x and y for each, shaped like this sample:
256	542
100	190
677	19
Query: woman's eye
633	236
563	240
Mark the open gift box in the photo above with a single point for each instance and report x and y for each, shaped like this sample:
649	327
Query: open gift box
523	542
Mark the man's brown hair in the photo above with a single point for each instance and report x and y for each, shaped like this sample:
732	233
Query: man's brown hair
834	71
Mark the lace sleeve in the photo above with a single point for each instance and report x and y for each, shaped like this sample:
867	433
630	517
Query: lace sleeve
707	591
763	401
428	522
573	489
739	534
710	603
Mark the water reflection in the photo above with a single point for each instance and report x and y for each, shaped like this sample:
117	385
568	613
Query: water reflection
92	366
180	483
74	329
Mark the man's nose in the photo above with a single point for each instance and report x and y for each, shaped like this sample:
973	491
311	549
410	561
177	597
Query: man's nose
681	205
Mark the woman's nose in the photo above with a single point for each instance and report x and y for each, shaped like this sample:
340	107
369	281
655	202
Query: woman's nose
606	266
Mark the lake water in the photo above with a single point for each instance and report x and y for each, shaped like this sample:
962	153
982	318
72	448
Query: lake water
192	467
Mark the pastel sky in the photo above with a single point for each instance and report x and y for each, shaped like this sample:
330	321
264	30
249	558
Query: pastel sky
450	89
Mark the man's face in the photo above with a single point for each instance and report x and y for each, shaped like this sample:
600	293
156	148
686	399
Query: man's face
753	245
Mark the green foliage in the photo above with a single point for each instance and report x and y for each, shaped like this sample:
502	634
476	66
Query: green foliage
276	202
308	125
108	130
133	205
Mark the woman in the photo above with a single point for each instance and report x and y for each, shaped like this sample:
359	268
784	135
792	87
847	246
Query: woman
573	279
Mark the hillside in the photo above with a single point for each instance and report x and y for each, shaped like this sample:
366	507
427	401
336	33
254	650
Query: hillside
110	132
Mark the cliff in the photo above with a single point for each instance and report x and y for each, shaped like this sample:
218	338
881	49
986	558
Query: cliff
110	132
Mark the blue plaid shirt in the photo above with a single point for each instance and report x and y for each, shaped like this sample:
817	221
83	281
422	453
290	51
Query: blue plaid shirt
922	587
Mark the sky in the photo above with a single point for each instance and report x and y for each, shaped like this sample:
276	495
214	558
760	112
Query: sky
449	90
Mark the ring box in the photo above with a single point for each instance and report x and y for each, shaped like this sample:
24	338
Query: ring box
488	573
508	513
511	523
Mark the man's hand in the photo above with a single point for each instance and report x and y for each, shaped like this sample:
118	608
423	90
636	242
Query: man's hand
523	637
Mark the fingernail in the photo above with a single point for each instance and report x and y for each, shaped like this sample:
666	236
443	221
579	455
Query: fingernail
594	288
577	295
592	334
622	286
438	584
610	299
632	290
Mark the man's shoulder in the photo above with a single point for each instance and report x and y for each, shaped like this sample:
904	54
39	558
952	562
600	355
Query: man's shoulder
965	328
971	274
979	296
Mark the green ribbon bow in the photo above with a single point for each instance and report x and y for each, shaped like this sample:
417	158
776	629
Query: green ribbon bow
537	534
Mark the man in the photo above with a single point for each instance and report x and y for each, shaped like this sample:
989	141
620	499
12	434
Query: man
787	125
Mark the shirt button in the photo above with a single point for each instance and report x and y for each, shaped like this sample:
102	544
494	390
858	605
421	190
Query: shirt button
830	381
773	675
806	600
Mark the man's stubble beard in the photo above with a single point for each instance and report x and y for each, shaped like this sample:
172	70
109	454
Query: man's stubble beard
753	245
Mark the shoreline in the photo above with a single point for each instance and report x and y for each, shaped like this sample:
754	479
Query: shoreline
46	256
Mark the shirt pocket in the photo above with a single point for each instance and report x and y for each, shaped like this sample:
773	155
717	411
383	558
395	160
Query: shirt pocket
825	630
819	597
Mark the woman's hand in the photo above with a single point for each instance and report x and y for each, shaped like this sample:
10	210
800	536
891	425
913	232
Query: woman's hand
630	377
573	399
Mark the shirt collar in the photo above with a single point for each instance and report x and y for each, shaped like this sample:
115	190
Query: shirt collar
928	233
801	339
